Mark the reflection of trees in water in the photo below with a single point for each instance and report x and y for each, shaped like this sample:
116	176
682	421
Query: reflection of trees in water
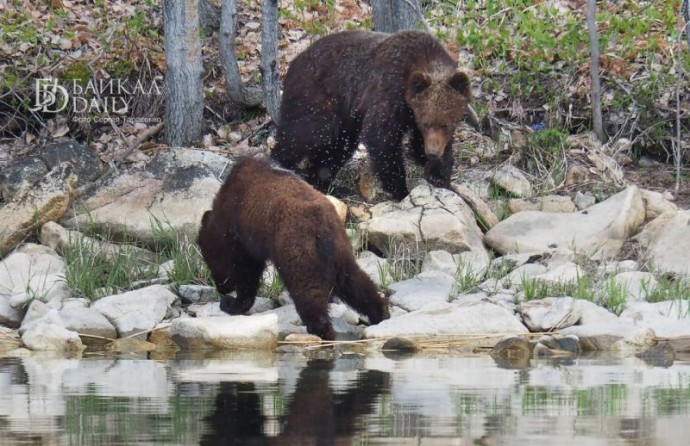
316	414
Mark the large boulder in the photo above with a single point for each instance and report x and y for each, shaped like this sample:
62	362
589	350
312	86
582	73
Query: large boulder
49	333
418	292
87	321
32	272
513	180
598	231
61	239
172	192
231	332
136	311
667	241
476	317
46	200
82	160
427	218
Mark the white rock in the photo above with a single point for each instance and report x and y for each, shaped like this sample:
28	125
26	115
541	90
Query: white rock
208	309
441	262
583	201
549	314
675	309
591	313
231	332
599	231
46	200
509	262
602	335
522	273
36	311
376	267
288	321
32	272
173	191
87	321
636	284
60	239
421	291
446	319
426	217
197	293
9	316
261	305
614	267
667	319
655	204
667	241
48	333
472	262
75	302
513	180
637	342
165	268
138	310
547	203
566	273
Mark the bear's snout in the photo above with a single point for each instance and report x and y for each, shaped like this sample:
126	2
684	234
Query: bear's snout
435	144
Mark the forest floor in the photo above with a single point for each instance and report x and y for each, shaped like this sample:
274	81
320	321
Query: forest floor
529	62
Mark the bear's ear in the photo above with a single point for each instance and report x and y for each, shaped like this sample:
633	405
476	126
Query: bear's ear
418	82
460	83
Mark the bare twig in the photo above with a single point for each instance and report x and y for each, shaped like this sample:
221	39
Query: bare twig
138	141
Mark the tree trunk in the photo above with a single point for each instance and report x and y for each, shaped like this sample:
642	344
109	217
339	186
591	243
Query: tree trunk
238	92
269	58
395	15
184	106
209	17
594	70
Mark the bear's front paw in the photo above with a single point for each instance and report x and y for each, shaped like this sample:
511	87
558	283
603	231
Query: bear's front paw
234	306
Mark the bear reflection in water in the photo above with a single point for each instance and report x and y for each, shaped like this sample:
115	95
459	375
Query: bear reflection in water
316	414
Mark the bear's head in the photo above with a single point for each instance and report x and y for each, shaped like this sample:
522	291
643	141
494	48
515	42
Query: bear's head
215	246
438	102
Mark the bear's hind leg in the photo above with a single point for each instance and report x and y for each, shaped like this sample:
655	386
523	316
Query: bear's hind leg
311	302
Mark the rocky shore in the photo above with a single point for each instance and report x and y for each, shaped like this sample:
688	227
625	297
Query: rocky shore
554	275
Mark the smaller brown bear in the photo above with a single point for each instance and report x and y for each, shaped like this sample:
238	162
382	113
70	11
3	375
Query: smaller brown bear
260	214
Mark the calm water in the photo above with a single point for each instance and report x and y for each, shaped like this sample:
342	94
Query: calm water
290	400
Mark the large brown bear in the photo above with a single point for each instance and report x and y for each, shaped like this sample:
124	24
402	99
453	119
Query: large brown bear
260	214
372	88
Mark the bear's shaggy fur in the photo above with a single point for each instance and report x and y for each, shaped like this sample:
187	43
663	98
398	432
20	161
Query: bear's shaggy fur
371	88
260	214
